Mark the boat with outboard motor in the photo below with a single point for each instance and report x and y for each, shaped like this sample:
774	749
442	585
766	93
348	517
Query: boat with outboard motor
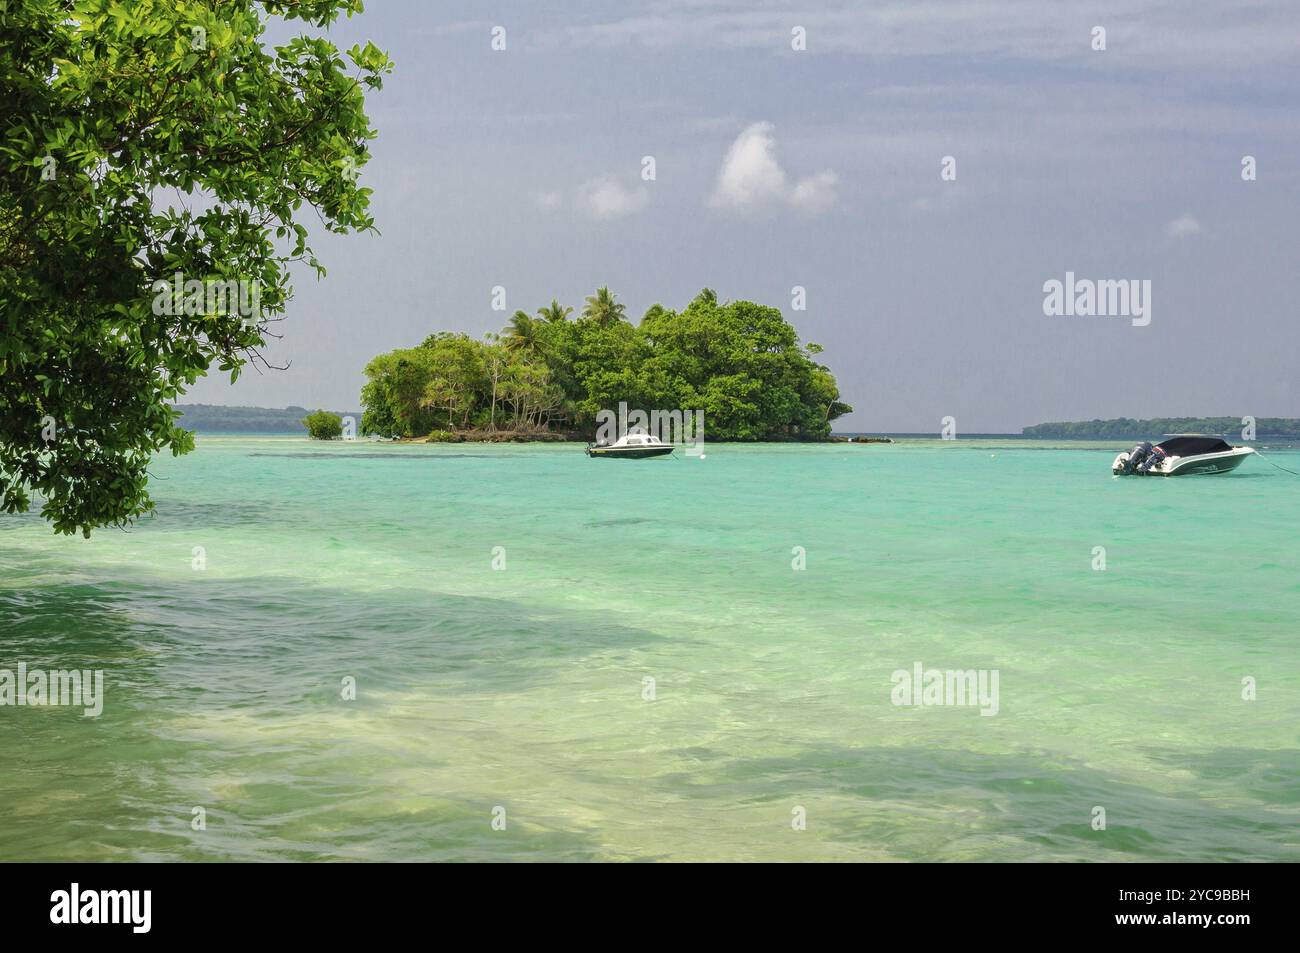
1179	455
633	446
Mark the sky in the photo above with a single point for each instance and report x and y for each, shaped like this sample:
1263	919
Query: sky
822	168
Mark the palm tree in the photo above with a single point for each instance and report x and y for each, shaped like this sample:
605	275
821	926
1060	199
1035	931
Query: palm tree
602	308
652	312
554	312
521	333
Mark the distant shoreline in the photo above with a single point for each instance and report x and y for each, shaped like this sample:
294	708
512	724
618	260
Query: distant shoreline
269	421
218	418
1126	428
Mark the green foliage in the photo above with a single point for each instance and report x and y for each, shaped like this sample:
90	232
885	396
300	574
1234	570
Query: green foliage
1156	427
554	312
739	362
322	425
523	333
393	398
141	141
602	308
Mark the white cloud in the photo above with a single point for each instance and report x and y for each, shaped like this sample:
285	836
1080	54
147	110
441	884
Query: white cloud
751	179
1183	226
549	201
607	198
815	194
750	175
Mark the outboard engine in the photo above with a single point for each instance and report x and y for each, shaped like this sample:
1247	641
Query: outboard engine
1130	462
1154	458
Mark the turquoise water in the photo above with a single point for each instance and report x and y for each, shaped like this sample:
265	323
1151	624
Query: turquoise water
523	688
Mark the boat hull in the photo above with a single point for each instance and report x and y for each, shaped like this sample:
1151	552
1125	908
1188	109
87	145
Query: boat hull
628	453
1206	463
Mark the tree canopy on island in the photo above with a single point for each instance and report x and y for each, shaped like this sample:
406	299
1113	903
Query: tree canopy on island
1158	426
739	362
322	425
153	154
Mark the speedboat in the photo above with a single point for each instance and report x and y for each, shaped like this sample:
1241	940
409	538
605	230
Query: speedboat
632	446
1181	454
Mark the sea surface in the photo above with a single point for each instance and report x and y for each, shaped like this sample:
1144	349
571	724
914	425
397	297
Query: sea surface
558	658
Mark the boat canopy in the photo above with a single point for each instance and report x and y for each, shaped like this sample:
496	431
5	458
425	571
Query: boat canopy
639	438
1192	444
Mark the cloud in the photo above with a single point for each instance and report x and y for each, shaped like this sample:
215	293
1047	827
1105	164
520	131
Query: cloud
815	194
750	175
1183	226
549	201
1186	35
607	198
751	179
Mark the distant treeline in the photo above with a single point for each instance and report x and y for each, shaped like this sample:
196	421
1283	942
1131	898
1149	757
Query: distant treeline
214	418
1157	426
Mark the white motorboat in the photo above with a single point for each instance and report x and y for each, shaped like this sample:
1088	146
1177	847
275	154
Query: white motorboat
632	446
1180	455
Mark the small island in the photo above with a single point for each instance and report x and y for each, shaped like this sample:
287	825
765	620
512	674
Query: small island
1130	429
547	376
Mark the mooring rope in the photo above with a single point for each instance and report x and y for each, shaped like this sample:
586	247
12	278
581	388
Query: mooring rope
1272	464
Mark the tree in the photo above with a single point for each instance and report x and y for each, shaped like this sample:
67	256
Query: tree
156	162
458	377
393	399
377	412
554	313
652	314
494	362
322	425
602	308
528	388
740	363
558	348
521	334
